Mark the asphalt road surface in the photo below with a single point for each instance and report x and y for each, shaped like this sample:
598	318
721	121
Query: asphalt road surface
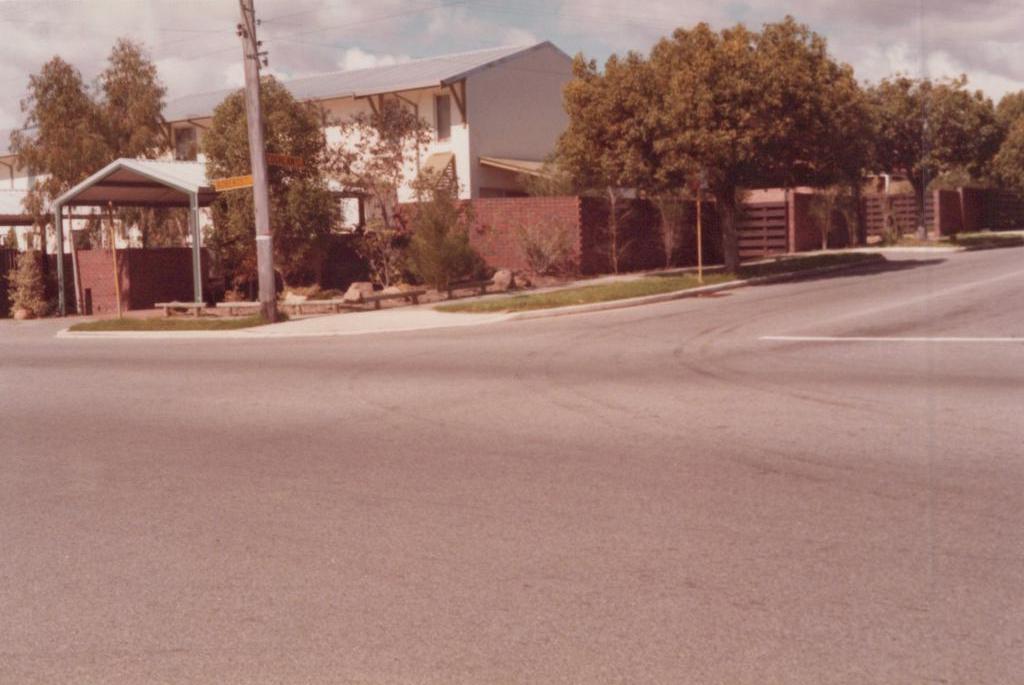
812	482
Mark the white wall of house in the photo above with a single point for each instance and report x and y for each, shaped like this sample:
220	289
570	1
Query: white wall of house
515	111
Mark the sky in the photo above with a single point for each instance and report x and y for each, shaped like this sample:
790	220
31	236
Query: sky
195	48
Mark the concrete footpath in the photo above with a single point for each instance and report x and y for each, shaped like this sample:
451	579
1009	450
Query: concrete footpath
426	316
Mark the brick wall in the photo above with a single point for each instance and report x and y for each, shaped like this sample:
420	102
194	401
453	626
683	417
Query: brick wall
495	234
499	220
147	276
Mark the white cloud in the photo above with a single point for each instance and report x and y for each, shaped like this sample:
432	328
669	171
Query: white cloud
196	49
357	58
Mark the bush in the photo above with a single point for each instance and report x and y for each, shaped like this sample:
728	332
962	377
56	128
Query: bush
548	247
383	249
27	290
440	253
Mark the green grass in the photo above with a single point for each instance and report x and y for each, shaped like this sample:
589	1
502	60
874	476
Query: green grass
988	241
165	323
654	284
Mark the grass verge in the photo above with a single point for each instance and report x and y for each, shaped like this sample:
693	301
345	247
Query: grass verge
988	241
655	284
165	323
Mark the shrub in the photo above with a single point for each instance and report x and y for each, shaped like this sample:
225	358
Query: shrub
440	253
548	247
27	290
383	248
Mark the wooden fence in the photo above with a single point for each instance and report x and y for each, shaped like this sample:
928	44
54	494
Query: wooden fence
763	230
903	209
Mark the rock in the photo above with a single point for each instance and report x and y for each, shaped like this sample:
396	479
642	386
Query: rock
503	280
393	290
22	314
293	298
523	281
357	291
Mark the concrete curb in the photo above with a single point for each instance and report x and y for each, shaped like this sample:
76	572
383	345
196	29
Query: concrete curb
907	248
478	319
681	294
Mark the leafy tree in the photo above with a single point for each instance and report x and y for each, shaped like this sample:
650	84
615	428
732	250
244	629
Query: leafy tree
62	138
1008	164
608	146
27	289
1010	109
131	104
440	253
302	209
926	129
11	239
377	149
71	131
752	109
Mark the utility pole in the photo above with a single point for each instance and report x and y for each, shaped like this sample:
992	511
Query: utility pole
252	56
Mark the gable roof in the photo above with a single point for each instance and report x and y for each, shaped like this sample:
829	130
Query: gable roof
142	182
428	72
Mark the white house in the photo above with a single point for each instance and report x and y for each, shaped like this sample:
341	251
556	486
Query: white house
495	114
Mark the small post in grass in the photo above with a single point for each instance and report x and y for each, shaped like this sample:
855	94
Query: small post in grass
697	184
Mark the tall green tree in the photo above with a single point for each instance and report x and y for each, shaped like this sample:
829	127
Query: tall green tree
302	209
928	128
62	138
71	130
607	146
753	109
1008	164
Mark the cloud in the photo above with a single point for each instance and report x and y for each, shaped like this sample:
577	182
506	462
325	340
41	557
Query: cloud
357	58
195	47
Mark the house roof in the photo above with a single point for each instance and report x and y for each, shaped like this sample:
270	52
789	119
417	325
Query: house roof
519	166
142	183
420	73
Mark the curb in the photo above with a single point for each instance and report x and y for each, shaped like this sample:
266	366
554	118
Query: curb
254	333
681	294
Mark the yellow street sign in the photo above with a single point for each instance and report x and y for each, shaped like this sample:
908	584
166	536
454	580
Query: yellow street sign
287	161
232	183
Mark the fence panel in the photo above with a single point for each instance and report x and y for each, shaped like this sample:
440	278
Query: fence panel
763	230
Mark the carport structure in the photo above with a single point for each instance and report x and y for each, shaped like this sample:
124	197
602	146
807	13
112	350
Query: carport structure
140	183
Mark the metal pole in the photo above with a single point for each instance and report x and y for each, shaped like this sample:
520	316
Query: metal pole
197	257
79	309
700	248
257	156
58	224
113	254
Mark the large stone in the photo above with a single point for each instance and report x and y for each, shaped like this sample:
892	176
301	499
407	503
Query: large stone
294	298
358	290
503	280
22	314
392	290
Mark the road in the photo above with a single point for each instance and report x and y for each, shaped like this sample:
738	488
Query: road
716	490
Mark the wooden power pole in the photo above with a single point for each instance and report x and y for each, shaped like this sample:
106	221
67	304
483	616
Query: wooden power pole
252	56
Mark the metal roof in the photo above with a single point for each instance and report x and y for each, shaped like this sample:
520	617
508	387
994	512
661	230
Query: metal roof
420	73
142	183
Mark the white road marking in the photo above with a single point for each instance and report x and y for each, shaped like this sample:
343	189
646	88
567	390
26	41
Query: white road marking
855	338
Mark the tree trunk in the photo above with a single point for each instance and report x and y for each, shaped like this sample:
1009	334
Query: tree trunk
613	228
727	214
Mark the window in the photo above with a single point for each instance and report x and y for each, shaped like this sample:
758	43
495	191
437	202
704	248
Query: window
443	116
185	147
